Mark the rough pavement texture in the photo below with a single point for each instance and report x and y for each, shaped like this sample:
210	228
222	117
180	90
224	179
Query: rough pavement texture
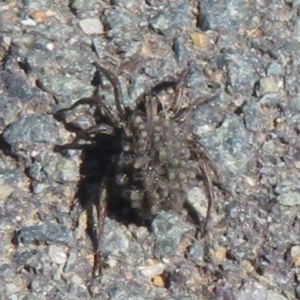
247	52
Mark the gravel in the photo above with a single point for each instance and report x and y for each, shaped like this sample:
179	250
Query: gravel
246	52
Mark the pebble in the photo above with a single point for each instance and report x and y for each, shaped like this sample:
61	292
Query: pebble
5	191
295	255
141	233
29	22
158	281
220	254
57	254
197	197
91	26
196	252
39	16
153	271
169	232
199	40
290	198
45	233
268	85
62	170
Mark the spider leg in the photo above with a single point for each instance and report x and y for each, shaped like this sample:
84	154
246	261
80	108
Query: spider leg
184	112
87	135
210	194
178	99
117	89
210	161
83	101
151	107
204	161
101	206
214	168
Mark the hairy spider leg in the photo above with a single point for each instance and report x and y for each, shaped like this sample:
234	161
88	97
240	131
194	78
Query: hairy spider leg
209	190
210	161
179	88
117	90
184	112
207	157
151	107
197	151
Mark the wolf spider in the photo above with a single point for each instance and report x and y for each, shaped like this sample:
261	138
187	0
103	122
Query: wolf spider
154	158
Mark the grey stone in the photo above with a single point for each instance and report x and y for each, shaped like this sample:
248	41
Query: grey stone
46	233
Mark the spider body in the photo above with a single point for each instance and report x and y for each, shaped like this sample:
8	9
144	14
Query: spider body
154	165
154	157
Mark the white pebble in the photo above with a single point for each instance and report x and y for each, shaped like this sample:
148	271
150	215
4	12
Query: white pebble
5	191
28	22
7	40
91	26
152	271
57	254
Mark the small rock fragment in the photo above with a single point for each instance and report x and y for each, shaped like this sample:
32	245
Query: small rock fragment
39	16
91	26
295	255
268	85
57	254
290	198
5	191
153	271
198	200
199	40
158	281
220	254
28	22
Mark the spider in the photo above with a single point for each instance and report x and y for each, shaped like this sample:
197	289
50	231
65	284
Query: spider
151	156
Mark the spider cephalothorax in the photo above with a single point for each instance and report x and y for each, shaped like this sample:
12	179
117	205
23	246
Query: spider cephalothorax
155	158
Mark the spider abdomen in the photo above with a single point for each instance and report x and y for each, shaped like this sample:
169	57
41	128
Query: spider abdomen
157	168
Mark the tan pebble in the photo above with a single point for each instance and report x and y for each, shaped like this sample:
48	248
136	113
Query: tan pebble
151	262
146	51
199	40
247	267
158	281
255	32
295	255
297	164
128	275
220	254
50	13
39	16
91	259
